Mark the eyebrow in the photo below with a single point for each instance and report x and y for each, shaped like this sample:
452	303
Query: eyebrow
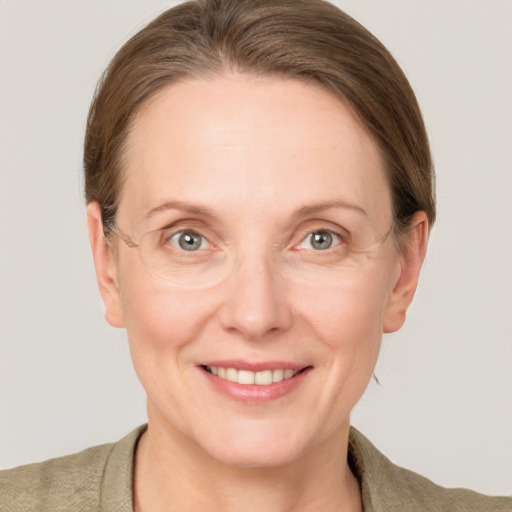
306	211
180	205
303	211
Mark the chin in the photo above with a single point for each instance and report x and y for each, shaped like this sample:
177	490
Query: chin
253	456
256	444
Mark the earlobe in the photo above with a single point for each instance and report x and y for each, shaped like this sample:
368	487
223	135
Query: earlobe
413	249
105	266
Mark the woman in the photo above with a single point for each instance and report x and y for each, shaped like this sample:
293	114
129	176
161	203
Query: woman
259	192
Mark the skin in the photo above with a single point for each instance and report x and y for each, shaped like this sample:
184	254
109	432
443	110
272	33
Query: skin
234	145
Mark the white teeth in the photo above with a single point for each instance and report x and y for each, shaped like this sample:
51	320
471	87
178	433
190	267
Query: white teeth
277	375
263	378
231	374
288	374
246	377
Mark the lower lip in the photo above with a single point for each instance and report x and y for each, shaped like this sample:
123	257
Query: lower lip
253	393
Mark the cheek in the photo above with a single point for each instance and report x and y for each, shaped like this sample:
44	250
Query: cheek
162	325
159	318
349	313
348	321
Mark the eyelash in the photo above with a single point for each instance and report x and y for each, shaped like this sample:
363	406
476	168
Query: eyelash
336	238
167	238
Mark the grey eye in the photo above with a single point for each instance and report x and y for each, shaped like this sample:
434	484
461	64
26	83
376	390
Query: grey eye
320	240
188	240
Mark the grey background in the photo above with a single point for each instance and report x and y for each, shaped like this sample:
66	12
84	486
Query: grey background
445	405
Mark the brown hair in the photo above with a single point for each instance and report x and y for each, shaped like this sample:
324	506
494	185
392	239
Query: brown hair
309	40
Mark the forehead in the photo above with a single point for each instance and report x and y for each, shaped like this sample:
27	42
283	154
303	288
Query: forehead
247	143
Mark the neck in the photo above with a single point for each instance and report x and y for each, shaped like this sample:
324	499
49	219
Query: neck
172	473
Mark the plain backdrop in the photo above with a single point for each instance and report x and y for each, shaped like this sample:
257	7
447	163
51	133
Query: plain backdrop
444	406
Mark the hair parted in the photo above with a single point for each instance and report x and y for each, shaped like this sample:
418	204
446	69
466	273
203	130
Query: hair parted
310	40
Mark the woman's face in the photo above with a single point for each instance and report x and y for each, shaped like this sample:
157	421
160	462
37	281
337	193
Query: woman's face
276	205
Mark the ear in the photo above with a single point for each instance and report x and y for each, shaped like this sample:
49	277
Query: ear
105	266
413	247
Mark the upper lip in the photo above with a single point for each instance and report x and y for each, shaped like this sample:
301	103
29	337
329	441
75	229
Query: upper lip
255	366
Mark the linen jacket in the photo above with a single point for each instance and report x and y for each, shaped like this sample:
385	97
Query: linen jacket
100	479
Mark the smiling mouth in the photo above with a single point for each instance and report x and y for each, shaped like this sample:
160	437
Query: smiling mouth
247	377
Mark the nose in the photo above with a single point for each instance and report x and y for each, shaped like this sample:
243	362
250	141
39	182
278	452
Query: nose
256	304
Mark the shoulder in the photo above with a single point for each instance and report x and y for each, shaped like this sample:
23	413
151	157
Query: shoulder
59	483
73	482
386	486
